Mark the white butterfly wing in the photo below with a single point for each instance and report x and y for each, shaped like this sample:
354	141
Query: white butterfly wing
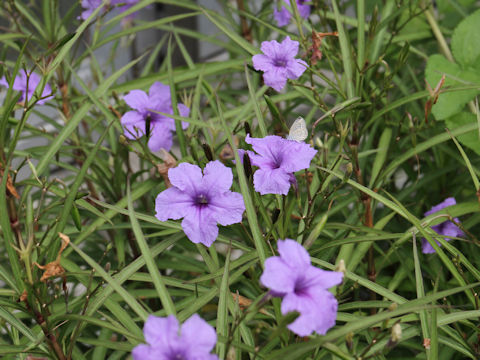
298	131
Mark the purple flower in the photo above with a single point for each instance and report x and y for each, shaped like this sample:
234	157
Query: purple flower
446	228
202	200
193	341
303	287
283	15
143	120
89	6
27	90
277	159
278	62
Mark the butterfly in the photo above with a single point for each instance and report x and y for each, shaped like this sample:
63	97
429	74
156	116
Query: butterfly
298	131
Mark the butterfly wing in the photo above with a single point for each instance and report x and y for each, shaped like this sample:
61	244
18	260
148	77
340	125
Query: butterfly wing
298	131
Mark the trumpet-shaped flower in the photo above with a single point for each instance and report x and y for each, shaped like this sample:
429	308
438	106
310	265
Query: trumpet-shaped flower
193	341
277	159
28	87
144	120
278	62
303	287
446	228
283	16
201	200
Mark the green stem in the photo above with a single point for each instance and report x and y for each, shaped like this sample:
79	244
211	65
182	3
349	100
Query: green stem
438	34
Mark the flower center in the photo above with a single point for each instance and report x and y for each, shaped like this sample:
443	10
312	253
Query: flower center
280	62
300	287
201	200
277	161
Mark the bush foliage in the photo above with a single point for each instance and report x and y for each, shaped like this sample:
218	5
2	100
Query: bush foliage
389	98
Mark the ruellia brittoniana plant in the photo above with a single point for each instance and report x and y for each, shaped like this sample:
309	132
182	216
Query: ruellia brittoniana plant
239	179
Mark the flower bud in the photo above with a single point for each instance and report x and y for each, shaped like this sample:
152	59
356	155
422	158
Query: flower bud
349	340
396	333
208	152
393	307
123	140
341	266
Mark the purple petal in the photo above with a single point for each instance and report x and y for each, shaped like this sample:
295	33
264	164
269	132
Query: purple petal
296	68
318	312
278	276
173	204
325	311
289	47
159	331
3	81
89	6
447	202
294	254
199	227
452	230
270	48
260	161
427	248
159	90
276	78
282	16
198	335
142	352
304	10
324	279
20	82
160	138
227	208
184	111
264	146
133	124
262	62
217	178
186	177
137	99
33	81
304	325
296	156
46	91
268	181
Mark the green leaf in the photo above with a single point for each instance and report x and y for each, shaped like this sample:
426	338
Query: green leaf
450	103
126	296
222	312
157	279
466	41
470	139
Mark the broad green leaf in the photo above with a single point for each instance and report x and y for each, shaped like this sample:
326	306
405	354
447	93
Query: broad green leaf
450	103
470	139
466	41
